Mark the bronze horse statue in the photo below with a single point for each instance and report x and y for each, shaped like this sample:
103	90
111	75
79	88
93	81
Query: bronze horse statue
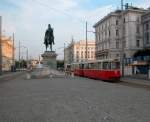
49	38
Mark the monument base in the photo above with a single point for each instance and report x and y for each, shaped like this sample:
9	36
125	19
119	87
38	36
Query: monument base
49	59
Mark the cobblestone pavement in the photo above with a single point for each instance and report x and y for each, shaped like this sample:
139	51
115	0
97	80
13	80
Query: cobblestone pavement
72	100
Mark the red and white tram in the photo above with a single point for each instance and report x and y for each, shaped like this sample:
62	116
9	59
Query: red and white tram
107	70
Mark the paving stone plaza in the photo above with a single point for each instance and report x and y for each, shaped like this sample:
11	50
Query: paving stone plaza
68	99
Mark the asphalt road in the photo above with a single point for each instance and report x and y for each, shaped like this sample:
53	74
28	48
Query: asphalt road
72	100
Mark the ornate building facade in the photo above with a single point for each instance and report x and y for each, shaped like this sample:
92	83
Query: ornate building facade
7	53
146	29
76	52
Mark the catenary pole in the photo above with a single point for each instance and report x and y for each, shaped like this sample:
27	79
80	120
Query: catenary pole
122	41
19	54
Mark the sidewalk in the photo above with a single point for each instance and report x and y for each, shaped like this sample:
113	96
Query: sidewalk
10	76
136	79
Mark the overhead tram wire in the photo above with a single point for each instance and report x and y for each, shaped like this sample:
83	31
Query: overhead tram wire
59	11
49	7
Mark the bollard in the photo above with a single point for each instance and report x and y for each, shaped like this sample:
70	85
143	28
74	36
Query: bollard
28	76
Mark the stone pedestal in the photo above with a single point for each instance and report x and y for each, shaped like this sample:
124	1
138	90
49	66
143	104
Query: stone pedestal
49	59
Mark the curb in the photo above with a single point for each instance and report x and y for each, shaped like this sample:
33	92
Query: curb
138	82
10	76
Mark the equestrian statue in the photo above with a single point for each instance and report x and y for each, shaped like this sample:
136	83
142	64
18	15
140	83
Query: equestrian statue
49	38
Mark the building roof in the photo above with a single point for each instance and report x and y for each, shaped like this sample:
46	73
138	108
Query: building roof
84	42
115	13
118	13
79	42
147	13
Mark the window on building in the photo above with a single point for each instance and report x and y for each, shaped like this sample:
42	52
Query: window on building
147	26
116	22
124	44
99	37
138	19
117	32
82	54
109	33
88	54
77	55
147	38
117	43
124	20
92	54
138	43
138	29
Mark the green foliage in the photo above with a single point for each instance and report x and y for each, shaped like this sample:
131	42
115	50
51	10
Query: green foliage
21	64
60	63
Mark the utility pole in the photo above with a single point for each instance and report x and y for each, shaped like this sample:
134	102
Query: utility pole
0	45
27	57
86	43
122	42
13	56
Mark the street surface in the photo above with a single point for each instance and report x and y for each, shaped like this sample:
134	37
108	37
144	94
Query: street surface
72	100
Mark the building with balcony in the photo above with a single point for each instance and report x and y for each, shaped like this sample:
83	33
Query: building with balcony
119	30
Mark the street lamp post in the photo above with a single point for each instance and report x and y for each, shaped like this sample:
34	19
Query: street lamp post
26	53
19	54
86	42
64	56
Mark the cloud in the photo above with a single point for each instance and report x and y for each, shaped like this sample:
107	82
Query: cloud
68	17
143	4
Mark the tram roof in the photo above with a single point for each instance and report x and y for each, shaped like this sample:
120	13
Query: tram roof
95	61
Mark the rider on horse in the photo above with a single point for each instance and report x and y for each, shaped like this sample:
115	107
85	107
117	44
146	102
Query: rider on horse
49	38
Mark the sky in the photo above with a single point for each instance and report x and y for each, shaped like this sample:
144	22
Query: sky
29	19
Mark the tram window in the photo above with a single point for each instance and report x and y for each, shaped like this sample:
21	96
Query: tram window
99	65
81	66
115	65
86	66
106	65
90	66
